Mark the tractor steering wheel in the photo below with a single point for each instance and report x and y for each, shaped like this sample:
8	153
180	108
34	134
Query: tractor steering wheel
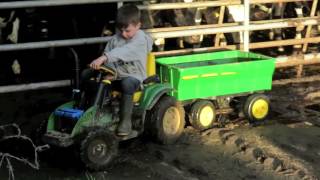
107	72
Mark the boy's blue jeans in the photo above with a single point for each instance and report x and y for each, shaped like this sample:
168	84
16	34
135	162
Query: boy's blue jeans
127	85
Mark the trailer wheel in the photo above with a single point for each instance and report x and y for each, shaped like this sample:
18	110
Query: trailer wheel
98	149
202	115
167	120
256	107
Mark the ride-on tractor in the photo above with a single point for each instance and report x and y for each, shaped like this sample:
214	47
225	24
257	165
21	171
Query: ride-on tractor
94	127
206	85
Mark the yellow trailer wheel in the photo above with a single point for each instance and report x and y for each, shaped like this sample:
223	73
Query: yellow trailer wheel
202	115
257	107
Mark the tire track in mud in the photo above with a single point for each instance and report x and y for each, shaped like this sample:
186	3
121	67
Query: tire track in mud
199	157
223	153
253	155
140	160
159	170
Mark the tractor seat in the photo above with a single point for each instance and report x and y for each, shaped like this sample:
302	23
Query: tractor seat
152	76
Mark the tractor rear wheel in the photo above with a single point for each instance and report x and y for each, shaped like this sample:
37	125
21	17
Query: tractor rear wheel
167	120
98	149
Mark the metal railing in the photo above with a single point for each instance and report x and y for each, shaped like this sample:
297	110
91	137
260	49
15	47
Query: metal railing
174	31
55	43
50	3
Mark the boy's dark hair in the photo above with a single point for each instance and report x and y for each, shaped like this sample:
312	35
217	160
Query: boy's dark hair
128	14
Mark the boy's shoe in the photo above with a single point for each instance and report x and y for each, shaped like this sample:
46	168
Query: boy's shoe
123	133
132	134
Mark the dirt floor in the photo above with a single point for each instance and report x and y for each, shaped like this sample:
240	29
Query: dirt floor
287	146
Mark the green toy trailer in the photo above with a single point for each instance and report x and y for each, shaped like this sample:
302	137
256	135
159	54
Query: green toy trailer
216	74
212	80
201	85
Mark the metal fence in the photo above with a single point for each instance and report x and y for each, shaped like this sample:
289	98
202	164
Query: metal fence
244	27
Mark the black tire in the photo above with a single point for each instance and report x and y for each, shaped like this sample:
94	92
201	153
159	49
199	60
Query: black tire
94	141
158	120
197	120
264	110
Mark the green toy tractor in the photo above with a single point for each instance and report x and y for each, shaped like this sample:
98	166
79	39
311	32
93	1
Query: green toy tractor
94	128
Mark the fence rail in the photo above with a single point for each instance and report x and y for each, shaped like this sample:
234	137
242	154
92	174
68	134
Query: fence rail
51	3
305	22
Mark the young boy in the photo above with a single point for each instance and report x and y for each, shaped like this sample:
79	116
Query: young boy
127	53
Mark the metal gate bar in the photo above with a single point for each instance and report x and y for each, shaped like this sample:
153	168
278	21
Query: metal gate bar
49	3
56	43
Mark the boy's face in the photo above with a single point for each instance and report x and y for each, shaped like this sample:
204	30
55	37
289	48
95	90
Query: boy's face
130	31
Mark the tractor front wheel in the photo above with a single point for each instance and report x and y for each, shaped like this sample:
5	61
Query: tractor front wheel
98	149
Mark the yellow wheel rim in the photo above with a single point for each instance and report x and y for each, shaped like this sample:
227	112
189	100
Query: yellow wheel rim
206	116
260	109
171	121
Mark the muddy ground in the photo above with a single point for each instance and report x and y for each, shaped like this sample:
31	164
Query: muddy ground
287	146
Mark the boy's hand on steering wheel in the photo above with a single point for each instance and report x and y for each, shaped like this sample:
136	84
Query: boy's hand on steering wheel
95	64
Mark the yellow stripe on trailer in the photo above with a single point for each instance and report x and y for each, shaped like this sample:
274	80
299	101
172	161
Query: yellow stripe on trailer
228	73
190	77
209	75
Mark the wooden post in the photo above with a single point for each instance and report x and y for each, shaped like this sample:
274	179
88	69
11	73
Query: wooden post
308	33
246	25
220	21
